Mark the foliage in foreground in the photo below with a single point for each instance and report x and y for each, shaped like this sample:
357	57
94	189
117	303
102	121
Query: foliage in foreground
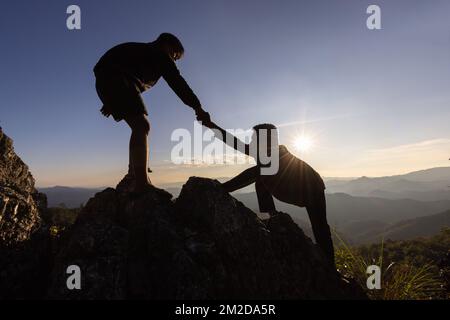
410	270
60	218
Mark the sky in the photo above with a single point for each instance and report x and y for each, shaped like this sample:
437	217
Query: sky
372	102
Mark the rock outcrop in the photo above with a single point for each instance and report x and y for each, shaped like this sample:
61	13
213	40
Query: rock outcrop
204	245
24	240
20	203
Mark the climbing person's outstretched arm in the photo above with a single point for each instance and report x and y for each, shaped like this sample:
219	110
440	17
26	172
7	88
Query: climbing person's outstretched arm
228	138
242	180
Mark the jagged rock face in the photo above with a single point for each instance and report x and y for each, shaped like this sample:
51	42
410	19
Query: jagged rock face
20	203
205	245
25	245
13	172
19	216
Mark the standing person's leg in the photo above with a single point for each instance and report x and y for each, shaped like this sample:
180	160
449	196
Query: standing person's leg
130	163
140	128
122	100
317	213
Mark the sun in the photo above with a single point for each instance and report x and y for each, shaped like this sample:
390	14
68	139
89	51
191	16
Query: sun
303	143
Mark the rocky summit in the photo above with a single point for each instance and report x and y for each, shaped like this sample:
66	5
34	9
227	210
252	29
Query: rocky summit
203	245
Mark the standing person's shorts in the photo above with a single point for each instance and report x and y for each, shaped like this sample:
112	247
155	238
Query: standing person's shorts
120	94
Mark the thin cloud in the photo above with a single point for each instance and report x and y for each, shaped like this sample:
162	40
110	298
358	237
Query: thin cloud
407	157
294	123
393	160
441	144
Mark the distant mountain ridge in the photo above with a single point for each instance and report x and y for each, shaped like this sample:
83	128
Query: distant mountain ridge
69	196
343	208
425	185
409	229
364	219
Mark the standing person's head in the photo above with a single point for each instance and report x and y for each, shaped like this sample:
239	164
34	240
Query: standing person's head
171	45
264	138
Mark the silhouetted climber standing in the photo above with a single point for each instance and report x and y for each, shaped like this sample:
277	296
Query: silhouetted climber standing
295	182
129	69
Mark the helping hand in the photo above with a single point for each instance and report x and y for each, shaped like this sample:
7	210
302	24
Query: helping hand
106	111
204	117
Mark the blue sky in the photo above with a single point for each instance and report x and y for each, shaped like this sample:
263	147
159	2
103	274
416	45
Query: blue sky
374	102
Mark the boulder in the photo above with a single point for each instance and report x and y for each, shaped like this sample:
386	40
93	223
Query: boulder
203	245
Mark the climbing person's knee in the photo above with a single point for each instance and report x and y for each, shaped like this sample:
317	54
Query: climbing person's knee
145	125
139	124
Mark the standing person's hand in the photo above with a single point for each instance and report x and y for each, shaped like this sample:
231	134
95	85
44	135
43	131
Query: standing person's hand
203	116
106	111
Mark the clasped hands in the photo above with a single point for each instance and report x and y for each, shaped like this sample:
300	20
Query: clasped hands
204	117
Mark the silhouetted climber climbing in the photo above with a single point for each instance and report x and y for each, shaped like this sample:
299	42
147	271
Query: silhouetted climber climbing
295	182
129	69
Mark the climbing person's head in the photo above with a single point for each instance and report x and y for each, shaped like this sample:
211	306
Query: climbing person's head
171	45
265	136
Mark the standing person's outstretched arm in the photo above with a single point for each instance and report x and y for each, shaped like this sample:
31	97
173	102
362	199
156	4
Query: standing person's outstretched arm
177	83
229	139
